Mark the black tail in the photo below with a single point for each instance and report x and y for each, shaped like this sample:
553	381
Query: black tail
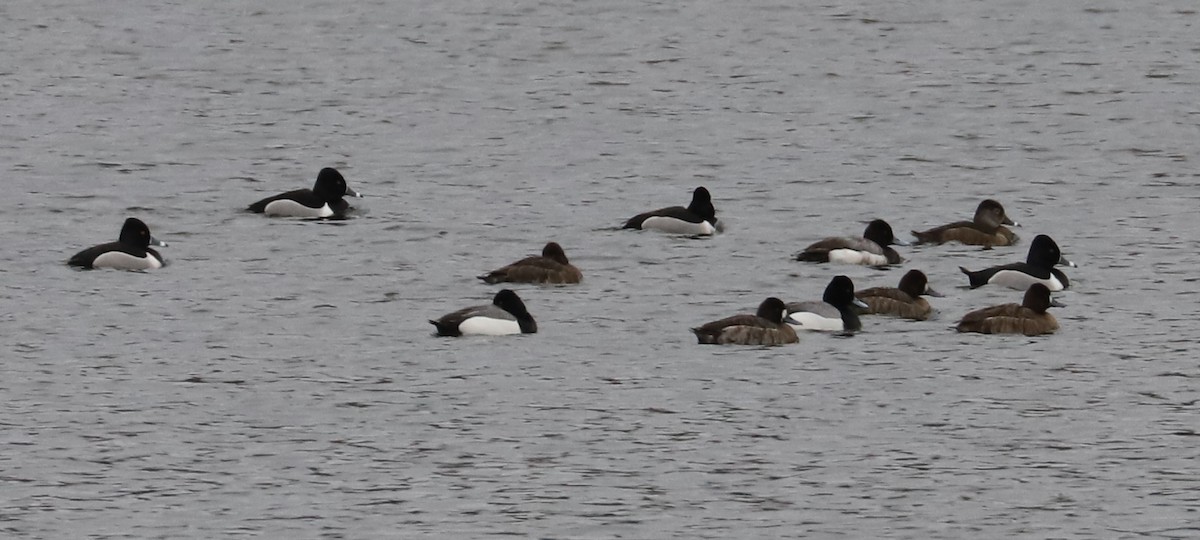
446	329
704	337
977	278
813	256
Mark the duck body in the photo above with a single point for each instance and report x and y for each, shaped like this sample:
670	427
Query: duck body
326	199
505	315
552	266
766	327
1018	276
131	251
906	301
871	249
1029	317
1039	267
986	229
834	313
699	218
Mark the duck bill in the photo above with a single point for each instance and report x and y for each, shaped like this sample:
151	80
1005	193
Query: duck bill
1055	303
1010	223
352	193
933	293
1062	261
860	303
156	242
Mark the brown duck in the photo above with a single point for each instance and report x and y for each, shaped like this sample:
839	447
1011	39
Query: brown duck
1029	317
766	327
551	266
987	229
904	301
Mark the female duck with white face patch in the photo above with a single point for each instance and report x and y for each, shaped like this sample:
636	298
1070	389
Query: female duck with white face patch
699	218
131	251
324	200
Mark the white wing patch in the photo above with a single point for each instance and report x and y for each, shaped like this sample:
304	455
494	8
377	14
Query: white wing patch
290	208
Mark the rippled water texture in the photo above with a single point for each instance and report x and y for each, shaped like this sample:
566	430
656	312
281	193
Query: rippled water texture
279	379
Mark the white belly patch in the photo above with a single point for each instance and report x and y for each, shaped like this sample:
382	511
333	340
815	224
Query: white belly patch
811	321
1021	281
854	256
124	261
678	226
290	208
487	326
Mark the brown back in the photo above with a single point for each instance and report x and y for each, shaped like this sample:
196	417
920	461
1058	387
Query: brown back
893	301
1008	319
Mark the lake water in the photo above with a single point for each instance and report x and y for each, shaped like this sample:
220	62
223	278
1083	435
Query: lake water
279	378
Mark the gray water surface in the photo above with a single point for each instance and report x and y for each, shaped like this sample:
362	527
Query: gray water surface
279	378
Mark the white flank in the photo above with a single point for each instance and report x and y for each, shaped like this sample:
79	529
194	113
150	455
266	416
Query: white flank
678	226
811	321
290	208
124	261
854	256
1021	281
487	326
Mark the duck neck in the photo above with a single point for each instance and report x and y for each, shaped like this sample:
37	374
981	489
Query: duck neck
850	320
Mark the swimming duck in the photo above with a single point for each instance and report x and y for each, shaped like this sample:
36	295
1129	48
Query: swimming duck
551	267
1029	317
904	301
505	315
324	200
872	248
1037	268
766	327
834	313
699	218
131	251
987	229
